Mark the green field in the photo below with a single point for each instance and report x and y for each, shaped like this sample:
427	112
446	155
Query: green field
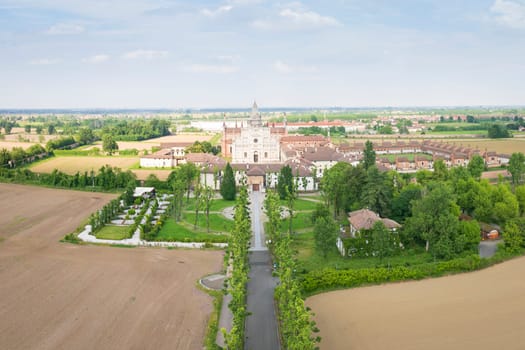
300	221
174	232
303	245
113	232
216	204
301	204
409	156
217	222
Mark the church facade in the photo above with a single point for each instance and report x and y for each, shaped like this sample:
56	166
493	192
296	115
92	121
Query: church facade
253	143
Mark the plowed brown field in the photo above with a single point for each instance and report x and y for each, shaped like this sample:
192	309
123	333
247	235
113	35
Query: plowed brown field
62	296
479	310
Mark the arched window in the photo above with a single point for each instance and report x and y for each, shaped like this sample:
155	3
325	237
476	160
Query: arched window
265	154
245	155
255	140
255	157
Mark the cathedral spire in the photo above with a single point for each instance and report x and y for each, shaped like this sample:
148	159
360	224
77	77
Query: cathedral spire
255	116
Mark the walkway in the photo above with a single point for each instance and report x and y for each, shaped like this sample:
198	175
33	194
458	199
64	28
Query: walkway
261	325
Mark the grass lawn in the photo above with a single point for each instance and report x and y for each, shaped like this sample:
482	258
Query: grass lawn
172	231
301	204
308	259
409	156
113	232
217	221
216	204
300	221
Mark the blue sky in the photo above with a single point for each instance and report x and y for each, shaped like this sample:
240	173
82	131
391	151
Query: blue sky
172	54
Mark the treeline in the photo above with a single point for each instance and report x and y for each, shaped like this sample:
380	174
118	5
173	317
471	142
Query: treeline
440	212
295	326
18	156
315	130
238	259
107	178
136	130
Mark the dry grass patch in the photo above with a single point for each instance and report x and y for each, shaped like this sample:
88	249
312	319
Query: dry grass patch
70	165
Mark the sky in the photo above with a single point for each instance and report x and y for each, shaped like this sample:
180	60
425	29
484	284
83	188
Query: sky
221	54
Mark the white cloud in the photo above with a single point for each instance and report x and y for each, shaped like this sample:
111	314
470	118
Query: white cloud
295	16
509	13
65	29
44	61
308	18
145	54
211	68
282	67
286	68
96	59
217	12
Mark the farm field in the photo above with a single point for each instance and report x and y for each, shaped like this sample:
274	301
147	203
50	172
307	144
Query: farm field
12	144
148	144
478	310
505	146
71	164
63	296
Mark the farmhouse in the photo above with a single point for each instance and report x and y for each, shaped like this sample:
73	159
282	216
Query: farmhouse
364	219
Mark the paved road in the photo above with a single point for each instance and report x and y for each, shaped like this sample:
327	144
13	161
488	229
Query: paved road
261	325
488	248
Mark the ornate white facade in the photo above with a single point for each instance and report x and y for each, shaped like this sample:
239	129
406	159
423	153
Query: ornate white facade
256	143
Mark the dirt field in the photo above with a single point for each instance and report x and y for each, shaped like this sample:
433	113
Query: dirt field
479	310
70	165
506	146
11	144
62	296
148	144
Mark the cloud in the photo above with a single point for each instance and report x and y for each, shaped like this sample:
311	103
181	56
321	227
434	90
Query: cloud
217	12
44	61
308	18
144	54
96	59
211	68
296	17
286	68
282	67
509	13
65	29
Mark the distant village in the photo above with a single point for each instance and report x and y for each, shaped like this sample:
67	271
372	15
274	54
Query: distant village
258	150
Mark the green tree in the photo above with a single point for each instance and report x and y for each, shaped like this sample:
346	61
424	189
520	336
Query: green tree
377	192
513	238
325	234
39	129
285	182
369	155
435	220
468	236
228	189
496	131
85	136
382	243
505	205
520	197
476	166
207	194
516	167
27	128
109	145
189	174
440	170
402	203
335	186
51	129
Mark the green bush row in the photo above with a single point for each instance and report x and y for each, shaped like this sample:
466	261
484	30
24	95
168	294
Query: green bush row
327	279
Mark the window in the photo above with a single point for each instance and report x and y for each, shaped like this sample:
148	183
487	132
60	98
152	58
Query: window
265	154
254	140
245	155
255	157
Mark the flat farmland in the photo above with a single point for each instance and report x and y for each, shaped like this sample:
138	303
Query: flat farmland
62	296
148	144
72	164
12	144
479	310
505	146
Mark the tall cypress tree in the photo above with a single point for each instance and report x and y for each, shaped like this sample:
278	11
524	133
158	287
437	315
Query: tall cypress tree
228	189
